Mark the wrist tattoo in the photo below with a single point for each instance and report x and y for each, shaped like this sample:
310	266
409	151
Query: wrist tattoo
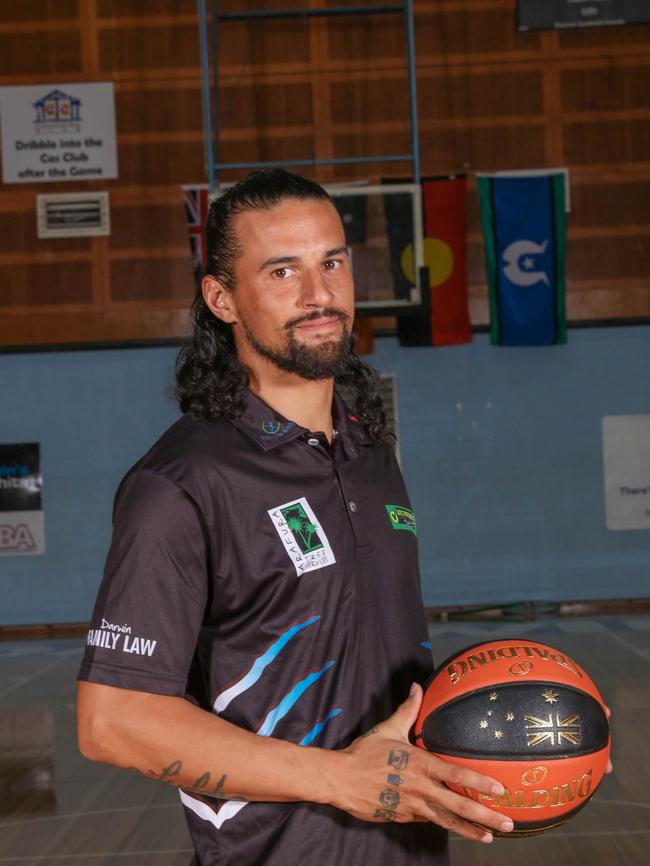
398	758
394	779
385	814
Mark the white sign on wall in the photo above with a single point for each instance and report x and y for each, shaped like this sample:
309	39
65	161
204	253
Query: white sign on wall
58	132
626	450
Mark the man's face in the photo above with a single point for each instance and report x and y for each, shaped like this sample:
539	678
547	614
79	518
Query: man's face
293	301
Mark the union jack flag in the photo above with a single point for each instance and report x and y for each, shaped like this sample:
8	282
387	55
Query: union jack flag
197	204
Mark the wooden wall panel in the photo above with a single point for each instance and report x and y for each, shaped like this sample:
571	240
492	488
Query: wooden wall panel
151	279
44	284
489	99
616	203
608	88
607	142
133	47
21	11
609	258
41	53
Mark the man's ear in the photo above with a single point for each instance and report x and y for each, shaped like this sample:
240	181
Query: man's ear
218	299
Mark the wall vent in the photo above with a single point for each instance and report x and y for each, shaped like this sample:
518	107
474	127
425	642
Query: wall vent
73	214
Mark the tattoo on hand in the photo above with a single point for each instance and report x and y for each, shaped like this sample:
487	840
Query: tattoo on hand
385	814
373	730
394	779
389	798
219	784
172	770
398	758
201	782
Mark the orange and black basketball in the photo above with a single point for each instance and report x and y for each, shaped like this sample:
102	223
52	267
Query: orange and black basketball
527	715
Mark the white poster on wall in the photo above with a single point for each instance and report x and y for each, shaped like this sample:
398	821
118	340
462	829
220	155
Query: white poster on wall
58	132
626	451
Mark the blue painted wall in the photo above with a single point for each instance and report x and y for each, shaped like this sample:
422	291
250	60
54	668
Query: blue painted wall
501	449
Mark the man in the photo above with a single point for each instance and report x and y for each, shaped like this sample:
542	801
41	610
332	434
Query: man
259	633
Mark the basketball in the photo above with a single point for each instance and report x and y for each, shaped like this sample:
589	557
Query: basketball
525	714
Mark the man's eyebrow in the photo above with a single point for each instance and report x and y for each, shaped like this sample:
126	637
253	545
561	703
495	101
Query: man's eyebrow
279	260
292	260
337	251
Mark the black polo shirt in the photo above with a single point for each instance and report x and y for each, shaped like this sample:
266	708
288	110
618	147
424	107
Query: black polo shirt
272	579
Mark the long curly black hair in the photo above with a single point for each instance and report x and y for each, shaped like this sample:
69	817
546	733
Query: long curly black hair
210	381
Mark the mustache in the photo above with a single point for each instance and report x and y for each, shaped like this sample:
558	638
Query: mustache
325	313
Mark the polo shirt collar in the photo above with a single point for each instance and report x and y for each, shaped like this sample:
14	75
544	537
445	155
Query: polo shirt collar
269	428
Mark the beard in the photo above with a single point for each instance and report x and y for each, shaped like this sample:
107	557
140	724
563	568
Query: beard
323	361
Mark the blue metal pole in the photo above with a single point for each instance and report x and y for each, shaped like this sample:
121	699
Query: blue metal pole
326	12
415	135
405	157
205	92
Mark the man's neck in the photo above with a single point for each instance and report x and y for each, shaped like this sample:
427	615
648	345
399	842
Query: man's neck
307	402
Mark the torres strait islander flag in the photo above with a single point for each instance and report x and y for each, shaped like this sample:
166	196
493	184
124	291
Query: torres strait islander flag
524	227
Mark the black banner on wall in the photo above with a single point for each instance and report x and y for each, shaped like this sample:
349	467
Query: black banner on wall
21	510
560	14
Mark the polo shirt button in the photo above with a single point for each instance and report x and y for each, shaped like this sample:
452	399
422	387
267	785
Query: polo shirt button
313	441
353	505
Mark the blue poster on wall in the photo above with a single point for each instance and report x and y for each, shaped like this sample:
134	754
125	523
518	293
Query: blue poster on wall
21	509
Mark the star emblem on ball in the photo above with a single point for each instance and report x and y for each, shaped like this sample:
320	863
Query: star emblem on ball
550	696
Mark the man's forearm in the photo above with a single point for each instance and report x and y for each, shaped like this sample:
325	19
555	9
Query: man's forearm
172	740
379	777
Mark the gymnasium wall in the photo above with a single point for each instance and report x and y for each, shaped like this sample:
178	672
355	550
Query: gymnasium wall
501	449
489	98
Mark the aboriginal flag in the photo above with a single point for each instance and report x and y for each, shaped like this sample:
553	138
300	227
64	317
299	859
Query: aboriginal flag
524	228
445	255
445	321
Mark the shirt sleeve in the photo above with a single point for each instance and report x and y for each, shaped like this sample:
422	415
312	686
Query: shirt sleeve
153	595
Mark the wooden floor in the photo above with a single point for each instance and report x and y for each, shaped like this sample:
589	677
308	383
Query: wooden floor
57	808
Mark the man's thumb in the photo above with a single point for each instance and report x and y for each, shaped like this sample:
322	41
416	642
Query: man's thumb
405	715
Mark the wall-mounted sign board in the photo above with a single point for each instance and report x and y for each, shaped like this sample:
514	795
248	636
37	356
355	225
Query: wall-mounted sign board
58	132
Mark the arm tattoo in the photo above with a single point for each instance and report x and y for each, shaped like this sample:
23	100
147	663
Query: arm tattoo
201	782
172	770
394	779
219	784
398	758
386	814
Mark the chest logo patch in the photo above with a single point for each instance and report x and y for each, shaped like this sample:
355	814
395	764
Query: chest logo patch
302	536
401	518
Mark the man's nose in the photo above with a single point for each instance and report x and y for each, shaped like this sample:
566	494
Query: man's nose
315	291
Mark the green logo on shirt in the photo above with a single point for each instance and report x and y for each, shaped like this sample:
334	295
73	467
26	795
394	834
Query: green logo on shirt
303	529
401	518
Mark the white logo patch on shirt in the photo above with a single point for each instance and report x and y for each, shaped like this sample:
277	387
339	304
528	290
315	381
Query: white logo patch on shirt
302	535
